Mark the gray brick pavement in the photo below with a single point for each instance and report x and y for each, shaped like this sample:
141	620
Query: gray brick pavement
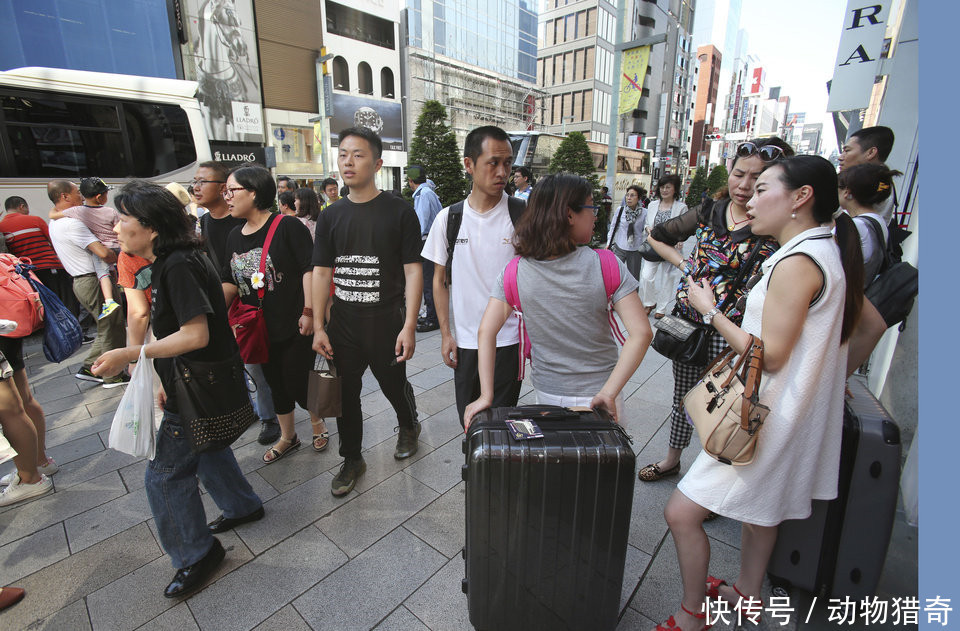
384	557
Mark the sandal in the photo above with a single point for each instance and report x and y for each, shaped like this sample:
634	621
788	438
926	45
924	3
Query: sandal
713	590
671	624
321	440
653	472
273	454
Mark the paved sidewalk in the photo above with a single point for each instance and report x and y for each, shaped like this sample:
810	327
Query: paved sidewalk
384	557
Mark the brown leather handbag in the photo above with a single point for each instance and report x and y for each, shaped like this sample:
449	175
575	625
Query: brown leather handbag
725	407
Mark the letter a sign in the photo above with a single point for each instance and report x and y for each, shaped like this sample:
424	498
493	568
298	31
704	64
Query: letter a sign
858	57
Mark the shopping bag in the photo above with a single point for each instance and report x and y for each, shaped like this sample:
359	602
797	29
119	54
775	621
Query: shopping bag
6	451
132	430
323	390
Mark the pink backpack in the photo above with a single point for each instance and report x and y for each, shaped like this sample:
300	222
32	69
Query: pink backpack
18	299
611	280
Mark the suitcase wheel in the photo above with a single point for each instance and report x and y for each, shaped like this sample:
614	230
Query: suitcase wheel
463	585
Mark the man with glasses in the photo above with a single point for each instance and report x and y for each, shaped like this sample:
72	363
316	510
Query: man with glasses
478	245
209	187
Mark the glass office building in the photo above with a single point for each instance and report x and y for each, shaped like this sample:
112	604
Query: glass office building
498	35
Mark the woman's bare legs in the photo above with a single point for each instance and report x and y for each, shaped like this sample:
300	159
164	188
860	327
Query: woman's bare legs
685	519
19	431
35	412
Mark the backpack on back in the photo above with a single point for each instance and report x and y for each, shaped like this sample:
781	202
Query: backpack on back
610	269
515	207
896	286
18	299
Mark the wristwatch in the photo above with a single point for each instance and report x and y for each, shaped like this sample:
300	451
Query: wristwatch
708	316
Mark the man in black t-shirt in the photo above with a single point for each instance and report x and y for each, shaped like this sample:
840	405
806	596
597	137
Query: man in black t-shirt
208	186
368	243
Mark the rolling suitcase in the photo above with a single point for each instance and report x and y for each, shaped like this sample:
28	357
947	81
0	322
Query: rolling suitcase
841	547
547	520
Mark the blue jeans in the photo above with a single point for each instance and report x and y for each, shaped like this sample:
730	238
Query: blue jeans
262	398
174	496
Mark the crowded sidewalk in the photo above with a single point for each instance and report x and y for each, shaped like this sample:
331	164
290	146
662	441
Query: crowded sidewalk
386	557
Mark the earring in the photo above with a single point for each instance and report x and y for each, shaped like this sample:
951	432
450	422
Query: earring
793	215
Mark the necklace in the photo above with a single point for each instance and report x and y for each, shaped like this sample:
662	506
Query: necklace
733	223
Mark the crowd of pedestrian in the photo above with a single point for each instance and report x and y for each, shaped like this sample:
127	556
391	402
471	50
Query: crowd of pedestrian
775	256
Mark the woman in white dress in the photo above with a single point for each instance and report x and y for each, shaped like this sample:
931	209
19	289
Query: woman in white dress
658	279
804	308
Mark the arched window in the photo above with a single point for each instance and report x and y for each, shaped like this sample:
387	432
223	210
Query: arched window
341	74
386	83
365	78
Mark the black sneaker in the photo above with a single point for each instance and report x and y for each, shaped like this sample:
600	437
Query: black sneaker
344	481
407	442
88	339
425	327
115	382
85	374
269	432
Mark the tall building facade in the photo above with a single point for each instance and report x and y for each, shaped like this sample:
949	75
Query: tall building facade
709	61
364	39
575	66
663	112
477	57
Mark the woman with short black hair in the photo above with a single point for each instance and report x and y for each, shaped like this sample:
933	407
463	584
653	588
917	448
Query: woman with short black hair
189	320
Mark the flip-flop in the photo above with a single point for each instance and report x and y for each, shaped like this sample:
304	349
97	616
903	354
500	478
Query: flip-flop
275	454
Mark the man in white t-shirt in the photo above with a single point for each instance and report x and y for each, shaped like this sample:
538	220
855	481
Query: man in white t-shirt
74	244
484	246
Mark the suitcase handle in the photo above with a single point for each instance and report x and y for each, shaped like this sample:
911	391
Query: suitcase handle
538	412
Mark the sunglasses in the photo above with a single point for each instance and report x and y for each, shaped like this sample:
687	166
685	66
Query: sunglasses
767	153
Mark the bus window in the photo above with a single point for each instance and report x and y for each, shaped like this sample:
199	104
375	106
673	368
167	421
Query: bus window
163	132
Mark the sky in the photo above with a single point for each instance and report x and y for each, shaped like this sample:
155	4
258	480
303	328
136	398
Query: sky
796	41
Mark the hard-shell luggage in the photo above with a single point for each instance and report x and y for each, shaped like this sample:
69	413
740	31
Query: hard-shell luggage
546	520
841	547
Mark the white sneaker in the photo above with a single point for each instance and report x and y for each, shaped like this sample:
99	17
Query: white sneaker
18	491
48	469
7	326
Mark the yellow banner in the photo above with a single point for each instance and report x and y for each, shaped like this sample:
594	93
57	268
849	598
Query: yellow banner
634	69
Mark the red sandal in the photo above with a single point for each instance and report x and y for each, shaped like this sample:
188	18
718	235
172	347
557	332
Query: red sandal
671	624
713	590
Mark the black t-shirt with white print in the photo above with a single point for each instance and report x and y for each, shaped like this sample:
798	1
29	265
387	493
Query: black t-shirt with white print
367	245
287	261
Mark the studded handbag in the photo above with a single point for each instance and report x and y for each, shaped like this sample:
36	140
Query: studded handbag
213	401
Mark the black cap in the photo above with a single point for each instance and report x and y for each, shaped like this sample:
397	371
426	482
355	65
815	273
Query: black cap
92	186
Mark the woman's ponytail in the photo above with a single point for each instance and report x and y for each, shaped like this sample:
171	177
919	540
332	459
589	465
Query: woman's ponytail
851	255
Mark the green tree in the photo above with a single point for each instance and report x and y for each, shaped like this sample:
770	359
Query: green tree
717	179
434	147
573	156
697	186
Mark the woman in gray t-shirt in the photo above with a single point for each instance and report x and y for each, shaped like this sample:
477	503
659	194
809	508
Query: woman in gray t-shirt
561	289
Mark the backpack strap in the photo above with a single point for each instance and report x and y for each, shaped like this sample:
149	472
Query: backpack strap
512	294
610	268
454	219
883	245
616	224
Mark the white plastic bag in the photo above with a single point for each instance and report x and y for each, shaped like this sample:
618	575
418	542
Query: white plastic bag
6	451
132	430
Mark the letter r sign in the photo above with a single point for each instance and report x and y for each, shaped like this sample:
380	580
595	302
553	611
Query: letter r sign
861	44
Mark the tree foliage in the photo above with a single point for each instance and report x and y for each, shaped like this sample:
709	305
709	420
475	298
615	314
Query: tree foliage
717	179
434	147
697	186
573	156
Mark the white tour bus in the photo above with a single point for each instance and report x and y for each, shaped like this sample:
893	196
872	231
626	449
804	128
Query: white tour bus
70	124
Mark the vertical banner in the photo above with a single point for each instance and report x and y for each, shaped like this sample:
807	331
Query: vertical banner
631	83
858	55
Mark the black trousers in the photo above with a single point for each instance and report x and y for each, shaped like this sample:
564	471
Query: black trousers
506	369
362	338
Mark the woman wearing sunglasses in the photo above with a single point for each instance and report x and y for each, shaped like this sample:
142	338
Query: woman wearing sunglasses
658	279
804	307
725	247
576	359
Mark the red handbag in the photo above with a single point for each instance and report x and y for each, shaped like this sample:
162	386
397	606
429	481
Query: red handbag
247	321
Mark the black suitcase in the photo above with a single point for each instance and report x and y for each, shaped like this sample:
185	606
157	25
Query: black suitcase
839	550
546	520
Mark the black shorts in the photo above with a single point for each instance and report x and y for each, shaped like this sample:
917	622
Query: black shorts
12	349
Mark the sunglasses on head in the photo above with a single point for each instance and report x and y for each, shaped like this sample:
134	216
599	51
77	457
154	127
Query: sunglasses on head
767	153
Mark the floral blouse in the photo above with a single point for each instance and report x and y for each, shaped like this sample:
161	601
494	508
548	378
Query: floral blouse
717	257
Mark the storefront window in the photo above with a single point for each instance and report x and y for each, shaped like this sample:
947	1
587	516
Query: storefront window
294	144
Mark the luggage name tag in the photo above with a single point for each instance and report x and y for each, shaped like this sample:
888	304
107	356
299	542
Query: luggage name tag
524	429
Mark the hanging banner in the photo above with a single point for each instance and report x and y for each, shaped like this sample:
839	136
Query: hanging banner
634	68
858	55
